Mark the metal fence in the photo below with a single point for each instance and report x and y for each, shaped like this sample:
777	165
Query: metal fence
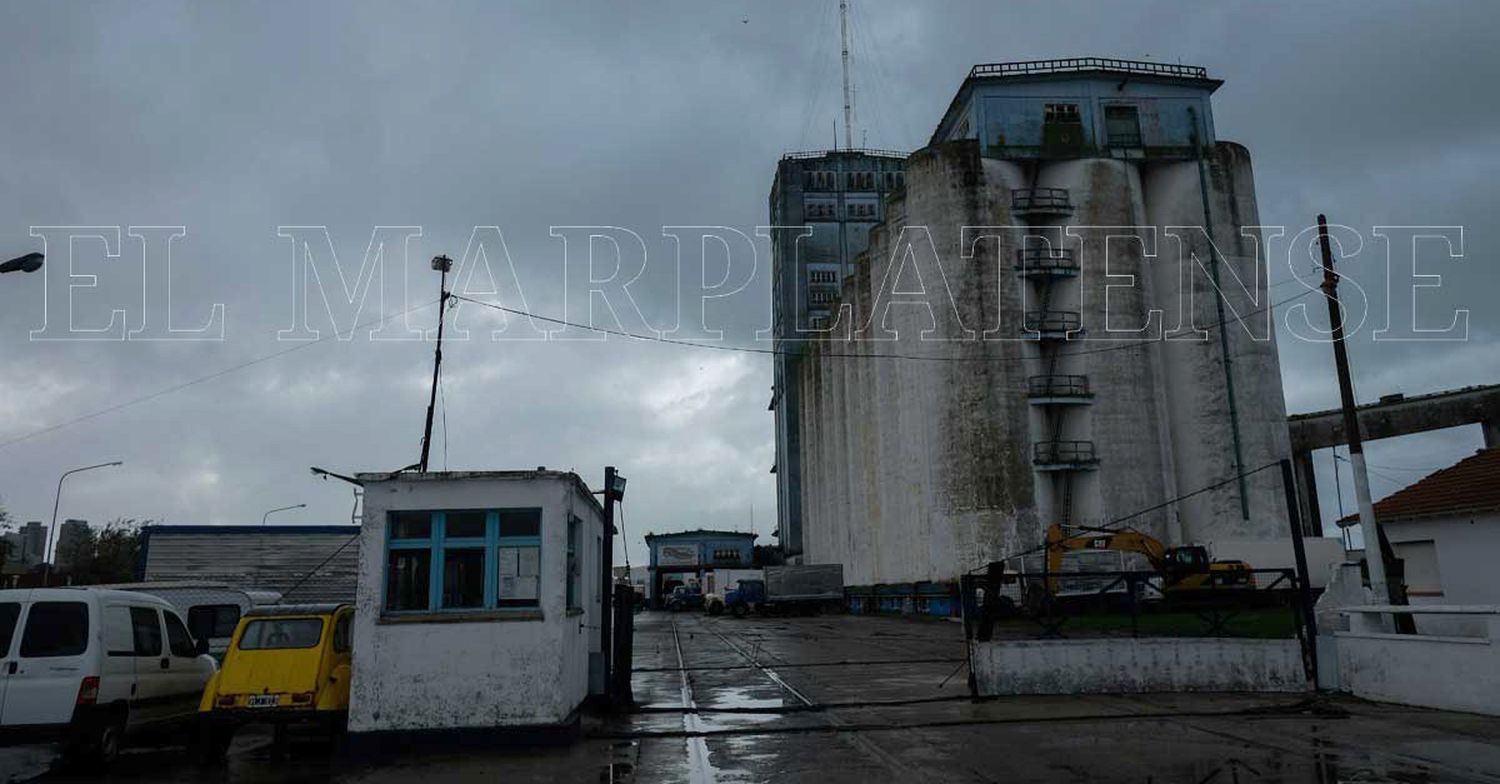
1040	200
1075	64
1037	604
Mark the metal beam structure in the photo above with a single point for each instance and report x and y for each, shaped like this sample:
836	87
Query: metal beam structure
1391	416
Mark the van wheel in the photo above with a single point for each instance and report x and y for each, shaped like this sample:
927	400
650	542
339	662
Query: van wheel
740	610
107	743
98	746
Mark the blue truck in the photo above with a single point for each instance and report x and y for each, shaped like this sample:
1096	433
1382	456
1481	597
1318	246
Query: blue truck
789	590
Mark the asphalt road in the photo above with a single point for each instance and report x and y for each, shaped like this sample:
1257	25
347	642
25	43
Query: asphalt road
858	699
835	699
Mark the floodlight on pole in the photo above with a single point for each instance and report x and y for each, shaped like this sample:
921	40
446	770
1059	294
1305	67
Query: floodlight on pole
31	262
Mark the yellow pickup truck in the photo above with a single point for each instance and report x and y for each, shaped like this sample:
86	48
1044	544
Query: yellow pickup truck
286	664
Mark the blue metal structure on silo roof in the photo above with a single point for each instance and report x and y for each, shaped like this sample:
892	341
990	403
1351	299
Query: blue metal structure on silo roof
1121	108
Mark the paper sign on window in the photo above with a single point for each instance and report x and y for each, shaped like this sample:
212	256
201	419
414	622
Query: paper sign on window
530	562
509	562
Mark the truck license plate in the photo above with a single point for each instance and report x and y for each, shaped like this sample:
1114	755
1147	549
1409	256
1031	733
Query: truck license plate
263	700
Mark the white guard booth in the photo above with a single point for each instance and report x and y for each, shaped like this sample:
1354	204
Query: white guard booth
477	608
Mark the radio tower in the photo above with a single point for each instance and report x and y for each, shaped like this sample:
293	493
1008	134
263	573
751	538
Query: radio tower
848	77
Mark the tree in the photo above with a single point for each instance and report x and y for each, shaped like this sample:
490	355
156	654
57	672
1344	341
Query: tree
106	555
4	529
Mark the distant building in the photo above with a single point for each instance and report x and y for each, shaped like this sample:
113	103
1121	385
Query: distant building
837	195
479	604
71	535
304	563
684	558
33	543
1446	530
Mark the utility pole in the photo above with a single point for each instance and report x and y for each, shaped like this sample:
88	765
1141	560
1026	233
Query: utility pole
607	584
441	264
848	79
1375	555
614	644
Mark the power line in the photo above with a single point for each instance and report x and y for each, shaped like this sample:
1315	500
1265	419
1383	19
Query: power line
1120	345
202	379
1400	482
314	570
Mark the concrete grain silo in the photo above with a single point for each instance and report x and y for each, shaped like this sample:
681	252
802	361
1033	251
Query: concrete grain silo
1055	199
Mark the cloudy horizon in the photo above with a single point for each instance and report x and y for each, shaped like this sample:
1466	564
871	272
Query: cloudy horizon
235	122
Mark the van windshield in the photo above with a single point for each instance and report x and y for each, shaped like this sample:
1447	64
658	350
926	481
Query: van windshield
56	629
279	633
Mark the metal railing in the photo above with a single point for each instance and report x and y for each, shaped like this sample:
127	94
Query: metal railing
998	602
1063	453
1046	260
1051	200
1051	321
1124	140
874	153
1074	64
1058	385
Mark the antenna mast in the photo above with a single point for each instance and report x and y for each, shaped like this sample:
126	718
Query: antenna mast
848	79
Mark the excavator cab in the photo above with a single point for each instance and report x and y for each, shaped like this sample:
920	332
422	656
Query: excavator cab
1185	560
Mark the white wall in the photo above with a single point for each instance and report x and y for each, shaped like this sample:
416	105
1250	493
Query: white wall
1466	548
442	674
1129	666
1450	673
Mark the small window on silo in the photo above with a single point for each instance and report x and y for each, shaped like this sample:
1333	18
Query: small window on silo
1122	124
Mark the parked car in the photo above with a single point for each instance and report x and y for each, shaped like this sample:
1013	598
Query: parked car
685	597
96	669
212	610
287	664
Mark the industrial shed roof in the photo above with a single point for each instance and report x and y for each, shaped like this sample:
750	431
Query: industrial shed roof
1472	485
700	532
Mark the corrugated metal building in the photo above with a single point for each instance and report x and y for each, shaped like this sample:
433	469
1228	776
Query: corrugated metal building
305	563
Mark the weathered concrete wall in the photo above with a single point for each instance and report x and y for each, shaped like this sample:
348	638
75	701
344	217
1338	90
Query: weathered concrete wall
916	469
1130	666
917	453
441	673
1196	392
1449	673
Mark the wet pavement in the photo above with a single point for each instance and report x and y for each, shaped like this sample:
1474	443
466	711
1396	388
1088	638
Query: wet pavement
835	699
860	699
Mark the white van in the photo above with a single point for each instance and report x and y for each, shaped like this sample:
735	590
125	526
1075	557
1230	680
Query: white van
211	610
95	667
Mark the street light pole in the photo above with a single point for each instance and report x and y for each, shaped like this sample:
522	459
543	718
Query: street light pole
279	509
52	531
260	561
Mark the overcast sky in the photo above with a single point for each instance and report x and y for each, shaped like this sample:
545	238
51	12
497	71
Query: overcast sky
234	120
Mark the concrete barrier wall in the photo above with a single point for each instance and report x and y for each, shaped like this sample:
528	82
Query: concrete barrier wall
1124	666
1450	673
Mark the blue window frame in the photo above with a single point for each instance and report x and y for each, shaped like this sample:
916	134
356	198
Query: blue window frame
463	560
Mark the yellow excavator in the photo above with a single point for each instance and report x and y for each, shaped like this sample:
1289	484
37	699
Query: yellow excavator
1184	570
